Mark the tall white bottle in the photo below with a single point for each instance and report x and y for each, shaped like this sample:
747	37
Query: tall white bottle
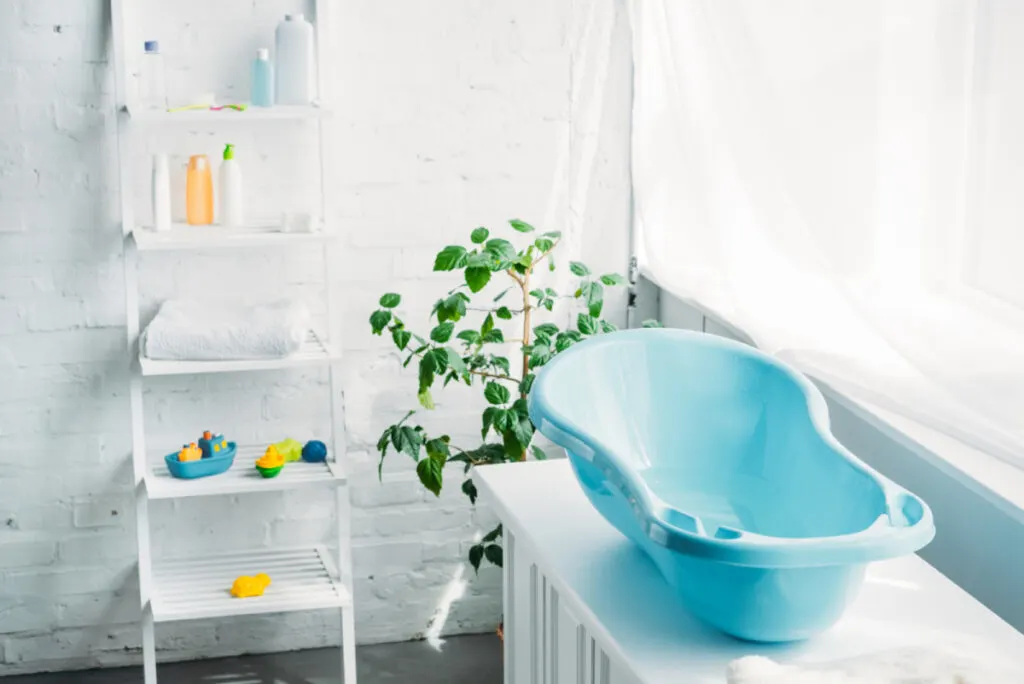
230	190
295	64
161	193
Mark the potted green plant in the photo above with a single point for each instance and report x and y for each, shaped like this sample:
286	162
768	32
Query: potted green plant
455	352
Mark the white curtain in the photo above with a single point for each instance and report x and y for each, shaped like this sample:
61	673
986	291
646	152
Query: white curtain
844	182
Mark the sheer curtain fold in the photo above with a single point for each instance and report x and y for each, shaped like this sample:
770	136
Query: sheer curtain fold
814	174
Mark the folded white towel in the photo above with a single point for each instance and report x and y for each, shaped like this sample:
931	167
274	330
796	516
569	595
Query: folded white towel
206	331
905	666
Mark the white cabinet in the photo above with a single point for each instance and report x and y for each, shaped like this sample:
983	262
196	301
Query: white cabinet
583	605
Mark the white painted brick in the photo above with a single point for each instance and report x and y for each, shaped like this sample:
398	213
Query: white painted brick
103	512
19	554
371	559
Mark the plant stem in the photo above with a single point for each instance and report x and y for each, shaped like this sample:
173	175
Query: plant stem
485	374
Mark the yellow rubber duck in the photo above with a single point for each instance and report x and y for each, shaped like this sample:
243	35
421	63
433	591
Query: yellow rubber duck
272	458
248	587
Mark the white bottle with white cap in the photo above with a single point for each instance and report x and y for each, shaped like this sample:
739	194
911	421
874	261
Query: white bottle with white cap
295	77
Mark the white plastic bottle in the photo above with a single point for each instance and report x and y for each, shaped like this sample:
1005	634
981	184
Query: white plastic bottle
152	78
230	190
295	68
161	193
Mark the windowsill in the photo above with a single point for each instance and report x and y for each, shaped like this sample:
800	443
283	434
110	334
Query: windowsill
991	478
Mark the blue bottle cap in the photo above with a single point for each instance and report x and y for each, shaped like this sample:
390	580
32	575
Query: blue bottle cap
152	46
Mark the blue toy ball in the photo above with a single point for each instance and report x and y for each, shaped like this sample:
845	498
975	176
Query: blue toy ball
315	451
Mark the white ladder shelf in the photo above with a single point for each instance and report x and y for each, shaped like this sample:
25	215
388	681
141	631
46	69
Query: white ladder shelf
304	578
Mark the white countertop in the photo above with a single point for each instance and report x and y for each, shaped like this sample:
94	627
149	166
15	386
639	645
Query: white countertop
611	583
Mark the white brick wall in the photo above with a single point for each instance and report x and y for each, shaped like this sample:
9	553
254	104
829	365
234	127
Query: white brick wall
454	115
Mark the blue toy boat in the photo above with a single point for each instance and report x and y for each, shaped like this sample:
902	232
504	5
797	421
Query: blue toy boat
717	460
212	456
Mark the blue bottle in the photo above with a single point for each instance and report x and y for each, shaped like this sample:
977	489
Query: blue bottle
262	79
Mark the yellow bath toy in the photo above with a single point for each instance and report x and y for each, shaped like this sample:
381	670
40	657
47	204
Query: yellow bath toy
271	458
190	452
290	448
248	587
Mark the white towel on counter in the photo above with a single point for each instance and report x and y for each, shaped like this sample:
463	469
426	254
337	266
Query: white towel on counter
904	666
208	331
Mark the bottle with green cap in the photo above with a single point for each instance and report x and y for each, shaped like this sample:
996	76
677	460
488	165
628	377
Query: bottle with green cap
230	190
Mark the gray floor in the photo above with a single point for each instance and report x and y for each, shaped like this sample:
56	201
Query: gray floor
462	660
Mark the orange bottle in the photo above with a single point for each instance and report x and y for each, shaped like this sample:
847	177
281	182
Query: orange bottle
199	191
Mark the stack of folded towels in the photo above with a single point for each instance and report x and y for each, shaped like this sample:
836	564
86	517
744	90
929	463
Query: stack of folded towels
207	331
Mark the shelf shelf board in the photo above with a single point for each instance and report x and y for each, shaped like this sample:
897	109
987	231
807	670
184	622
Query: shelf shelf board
241	478
313	352
207	116
182	236
193	588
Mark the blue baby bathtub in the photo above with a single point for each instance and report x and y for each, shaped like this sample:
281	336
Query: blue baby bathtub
717	460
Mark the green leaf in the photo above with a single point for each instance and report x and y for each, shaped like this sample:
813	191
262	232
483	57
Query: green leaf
552	234
594	297
489	414
494	335
479	235
607	327
382	447
527	383
521	226
430	471
652	323
538	453
456	305
476	554
503	420
407	441
477	278
521	408
522	428
586	324
539	294
488	325
502	250
425	398
493	554
469	336
496	393
545	331
613	279
442	332
455	361
579	268
549	292
469	489
566	339
548	303
504	313
492	535
509	442
438	445
501	363
502	294
551	265
379	320
450	258
401	337
438	358
543	244
539	355
390	300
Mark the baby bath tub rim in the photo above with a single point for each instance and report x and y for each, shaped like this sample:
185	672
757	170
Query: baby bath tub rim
904	527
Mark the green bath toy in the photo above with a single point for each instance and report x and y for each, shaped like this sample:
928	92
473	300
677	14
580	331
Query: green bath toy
290	448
